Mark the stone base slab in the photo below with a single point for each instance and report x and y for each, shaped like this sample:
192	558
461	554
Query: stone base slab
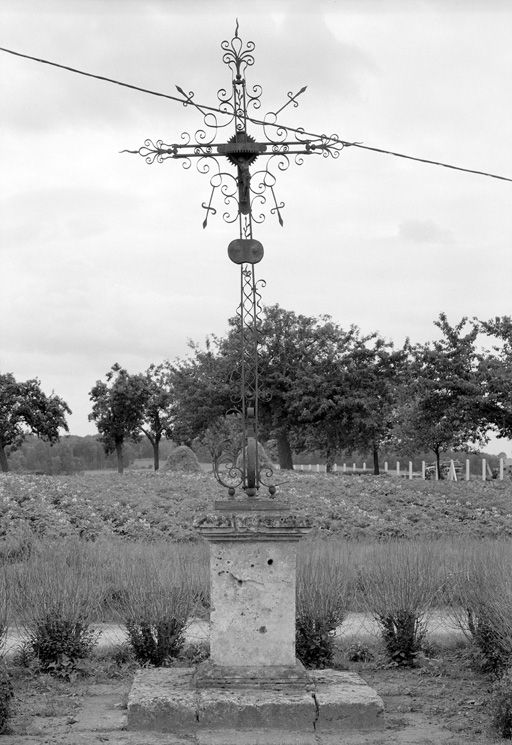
275	677
166	700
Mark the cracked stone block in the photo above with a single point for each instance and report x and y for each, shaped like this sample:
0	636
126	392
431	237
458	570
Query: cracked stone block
166	700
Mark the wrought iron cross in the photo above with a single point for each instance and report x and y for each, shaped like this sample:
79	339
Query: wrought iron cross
245	196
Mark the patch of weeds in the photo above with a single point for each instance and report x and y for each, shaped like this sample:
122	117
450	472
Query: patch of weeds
6	694
194	653
59	643
494	654
156	643
314	641
403	636
359	652
501	706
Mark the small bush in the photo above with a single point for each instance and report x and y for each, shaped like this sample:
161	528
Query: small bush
160	591
57	641
399	584
359	652
484	586
58	592
193	654
6	694
323	581
501	706
4	606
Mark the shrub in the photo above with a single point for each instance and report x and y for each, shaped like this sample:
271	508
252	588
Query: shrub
398	585
160	592
359	652
194	653
4	606
58	592
484	589
6	694
323	581
501	706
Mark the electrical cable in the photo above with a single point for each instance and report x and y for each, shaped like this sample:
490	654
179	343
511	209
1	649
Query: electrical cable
254	120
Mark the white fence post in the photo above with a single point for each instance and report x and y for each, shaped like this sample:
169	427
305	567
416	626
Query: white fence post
344	468
410	469
317	467
484	469
335	467
423	470
501	469
398	468
353	467
386	466
364	466
468	473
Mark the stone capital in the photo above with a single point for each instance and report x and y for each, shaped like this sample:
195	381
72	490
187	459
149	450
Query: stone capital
252	526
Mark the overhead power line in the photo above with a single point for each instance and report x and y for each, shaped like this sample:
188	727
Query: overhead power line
254	120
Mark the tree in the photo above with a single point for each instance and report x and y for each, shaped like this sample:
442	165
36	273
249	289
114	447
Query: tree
118	409
496	374
374	376
24	409
157	417
294	353
443	403
201	386
300	360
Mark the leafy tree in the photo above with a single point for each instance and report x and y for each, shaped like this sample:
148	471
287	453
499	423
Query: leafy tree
291	348
442	406
24	409
374	374
496	375
202	388
118	409
157	418
300	359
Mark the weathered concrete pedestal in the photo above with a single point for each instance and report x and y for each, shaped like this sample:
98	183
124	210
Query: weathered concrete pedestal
252	679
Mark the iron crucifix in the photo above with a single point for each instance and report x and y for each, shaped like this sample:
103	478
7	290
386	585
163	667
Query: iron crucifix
245	195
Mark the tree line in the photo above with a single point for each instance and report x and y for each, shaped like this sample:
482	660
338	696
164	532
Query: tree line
323	388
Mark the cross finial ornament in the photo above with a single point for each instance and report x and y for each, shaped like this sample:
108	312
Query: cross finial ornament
242	168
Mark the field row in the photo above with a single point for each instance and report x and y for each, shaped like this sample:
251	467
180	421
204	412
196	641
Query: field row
155	506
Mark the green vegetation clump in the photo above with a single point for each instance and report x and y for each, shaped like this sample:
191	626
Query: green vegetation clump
323	587
501	706
160	590
6	694
484	588
57	593
399	584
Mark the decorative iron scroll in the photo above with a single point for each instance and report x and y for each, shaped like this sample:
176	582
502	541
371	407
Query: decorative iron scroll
246	196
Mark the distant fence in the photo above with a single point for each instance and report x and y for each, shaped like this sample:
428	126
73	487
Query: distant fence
451	470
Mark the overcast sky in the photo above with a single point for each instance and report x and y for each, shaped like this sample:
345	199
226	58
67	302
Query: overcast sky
104	259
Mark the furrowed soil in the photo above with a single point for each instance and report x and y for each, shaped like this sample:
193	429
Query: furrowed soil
443	702
163	505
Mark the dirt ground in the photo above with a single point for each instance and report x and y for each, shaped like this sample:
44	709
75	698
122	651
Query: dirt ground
443	702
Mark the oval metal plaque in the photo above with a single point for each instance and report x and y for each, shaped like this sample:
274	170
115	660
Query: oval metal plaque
245	251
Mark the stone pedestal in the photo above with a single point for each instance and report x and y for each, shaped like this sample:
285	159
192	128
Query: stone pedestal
252	616
252	679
